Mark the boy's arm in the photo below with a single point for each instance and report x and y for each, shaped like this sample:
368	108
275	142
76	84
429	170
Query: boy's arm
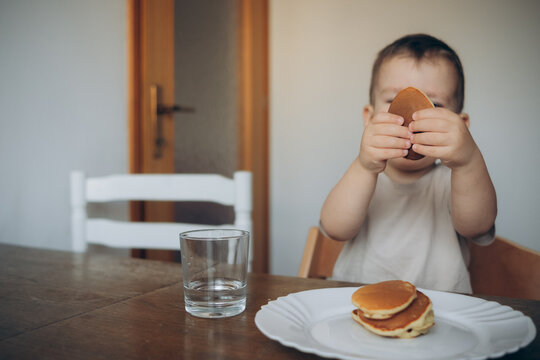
445	135
345	208
474	202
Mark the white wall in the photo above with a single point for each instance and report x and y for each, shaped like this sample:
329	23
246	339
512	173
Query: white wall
321	57
62	107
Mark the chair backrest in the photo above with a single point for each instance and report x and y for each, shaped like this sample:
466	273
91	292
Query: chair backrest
320	255
505	269
501	269
234	192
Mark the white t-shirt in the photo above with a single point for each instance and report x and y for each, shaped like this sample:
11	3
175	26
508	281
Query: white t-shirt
408	234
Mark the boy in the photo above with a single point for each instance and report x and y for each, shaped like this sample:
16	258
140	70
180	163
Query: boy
411	219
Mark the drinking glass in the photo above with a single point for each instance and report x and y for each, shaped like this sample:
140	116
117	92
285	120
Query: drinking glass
214	271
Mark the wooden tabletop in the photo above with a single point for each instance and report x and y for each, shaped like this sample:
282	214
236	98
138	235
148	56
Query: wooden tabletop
59	305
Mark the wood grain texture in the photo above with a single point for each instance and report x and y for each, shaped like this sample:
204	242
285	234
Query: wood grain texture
505	268
150	53
131	309
253	121
41	287
320	255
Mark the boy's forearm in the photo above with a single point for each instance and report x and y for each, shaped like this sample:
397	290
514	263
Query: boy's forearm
345	208
474	202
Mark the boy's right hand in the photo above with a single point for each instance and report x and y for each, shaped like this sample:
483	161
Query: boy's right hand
384	138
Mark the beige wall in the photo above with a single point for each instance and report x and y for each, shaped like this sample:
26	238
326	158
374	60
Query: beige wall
321	57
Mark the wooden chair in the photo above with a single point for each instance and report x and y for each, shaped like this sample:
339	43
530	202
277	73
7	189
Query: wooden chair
505	269
502	268
152	187
320	255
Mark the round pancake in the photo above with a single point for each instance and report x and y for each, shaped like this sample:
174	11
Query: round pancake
383	299
411	322
406	103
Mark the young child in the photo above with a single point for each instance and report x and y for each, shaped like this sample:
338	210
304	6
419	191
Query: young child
411	219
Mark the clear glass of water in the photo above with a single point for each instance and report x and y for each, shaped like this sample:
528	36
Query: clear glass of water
214	271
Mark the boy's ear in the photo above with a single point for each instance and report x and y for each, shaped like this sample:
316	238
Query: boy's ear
465	117
367	114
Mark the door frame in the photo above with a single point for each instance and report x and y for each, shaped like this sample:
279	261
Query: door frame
253	119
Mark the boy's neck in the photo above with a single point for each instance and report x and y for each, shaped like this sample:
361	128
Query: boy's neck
404	176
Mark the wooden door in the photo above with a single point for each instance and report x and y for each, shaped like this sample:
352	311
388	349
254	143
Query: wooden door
151	69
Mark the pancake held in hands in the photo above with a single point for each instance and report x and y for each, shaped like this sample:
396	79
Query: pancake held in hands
406	103
412	320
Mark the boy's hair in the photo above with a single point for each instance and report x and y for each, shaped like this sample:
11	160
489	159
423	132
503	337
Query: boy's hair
420	46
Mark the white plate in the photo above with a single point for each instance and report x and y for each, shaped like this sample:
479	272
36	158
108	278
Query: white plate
319	322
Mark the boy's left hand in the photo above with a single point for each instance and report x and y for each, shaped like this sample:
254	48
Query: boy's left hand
444	135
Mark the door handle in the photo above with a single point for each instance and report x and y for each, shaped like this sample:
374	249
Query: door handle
156	110
164	109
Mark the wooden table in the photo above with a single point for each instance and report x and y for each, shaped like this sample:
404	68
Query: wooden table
59	305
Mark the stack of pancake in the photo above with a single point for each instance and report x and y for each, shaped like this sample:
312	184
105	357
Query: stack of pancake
393	308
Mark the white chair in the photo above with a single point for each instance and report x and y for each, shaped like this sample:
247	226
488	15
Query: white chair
234	192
